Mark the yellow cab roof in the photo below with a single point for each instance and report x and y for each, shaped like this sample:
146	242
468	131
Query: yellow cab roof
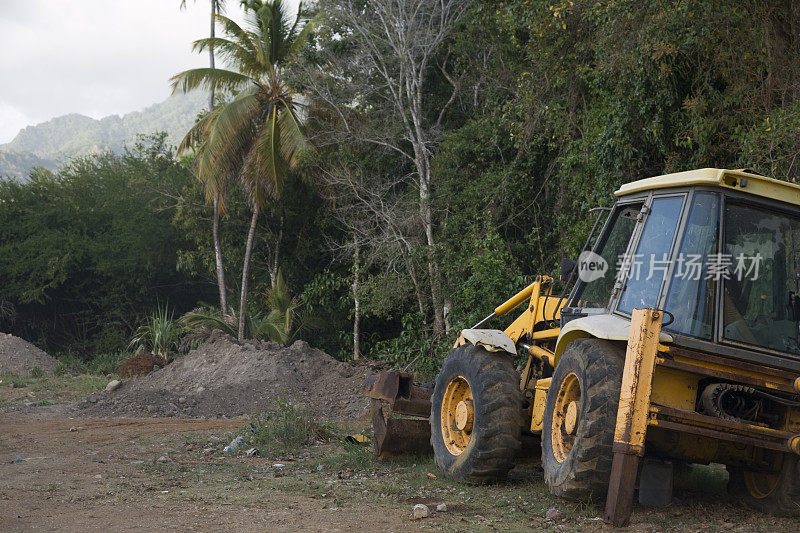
739	180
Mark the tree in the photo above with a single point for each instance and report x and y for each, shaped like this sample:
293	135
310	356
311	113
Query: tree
86	251
216	7
385	57
257	136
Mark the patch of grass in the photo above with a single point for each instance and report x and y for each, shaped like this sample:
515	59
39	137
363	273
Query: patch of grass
107	363
285	429
354	456
69	363
10	379
37	372
54	389
704	479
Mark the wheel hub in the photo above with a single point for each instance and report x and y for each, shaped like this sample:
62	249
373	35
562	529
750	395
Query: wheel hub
566	416
464	415
457	415
571	418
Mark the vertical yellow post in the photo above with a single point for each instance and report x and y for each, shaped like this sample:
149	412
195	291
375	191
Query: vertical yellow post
634	407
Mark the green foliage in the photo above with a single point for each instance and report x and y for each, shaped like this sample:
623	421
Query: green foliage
414	348
286	428
285	318
106	362
551	106
36	372
282	320
86	251
772	145
161	334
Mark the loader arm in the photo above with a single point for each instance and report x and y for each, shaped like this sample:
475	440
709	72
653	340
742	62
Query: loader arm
536	329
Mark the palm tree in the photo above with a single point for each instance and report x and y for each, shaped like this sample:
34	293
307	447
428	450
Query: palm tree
285	319
216	7
257	135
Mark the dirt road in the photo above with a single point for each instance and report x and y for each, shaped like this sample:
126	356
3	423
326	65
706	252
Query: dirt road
76	474
105	475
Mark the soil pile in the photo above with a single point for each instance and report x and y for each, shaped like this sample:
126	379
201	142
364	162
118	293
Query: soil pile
226	378
20	357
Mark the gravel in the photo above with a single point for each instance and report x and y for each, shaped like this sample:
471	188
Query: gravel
20	357
225	378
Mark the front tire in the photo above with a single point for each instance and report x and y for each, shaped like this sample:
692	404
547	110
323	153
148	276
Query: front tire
777	494
580	417
476	415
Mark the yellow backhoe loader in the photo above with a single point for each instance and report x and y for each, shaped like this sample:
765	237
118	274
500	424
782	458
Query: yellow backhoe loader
679	341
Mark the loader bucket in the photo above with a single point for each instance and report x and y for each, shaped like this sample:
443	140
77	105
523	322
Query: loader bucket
394	392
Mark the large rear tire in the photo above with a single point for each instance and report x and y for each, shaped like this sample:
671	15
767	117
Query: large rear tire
579	419
476	415
776	494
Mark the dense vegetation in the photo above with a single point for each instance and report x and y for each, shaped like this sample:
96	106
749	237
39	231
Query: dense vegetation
87	253
527	114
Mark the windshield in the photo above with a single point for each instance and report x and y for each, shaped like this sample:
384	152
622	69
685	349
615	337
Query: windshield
761	278
692	294
645	269
597	292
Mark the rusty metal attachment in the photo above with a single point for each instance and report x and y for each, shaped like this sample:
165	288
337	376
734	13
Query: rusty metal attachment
632	416
394	392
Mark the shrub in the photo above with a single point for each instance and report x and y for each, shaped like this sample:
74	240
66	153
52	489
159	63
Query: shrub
283	321
286	428
161	334
69	363
106	363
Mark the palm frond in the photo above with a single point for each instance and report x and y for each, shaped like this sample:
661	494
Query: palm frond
247	39
194	137
302	38
208	319
231	52
267	163
293	141
208	78
226	142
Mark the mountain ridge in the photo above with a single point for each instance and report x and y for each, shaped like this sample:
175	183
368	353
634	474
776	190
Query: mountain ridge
51	143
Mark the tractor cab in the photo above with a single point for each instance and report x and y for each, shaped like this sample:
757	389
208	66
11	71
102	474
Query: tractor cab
718	250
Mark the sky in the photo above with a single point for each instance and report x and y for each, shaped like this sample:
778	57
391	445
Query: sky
94	57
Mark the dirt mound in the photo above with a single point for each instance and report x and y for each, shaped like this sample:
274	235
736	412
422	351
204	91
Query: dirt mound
139	365
226	378
20	357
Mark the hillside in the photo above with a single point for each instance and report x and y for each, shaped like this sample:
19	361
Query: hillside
51	143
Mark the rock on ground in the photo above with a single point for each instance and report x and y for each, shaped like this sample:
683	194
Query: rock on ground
226	378
20	357
421	511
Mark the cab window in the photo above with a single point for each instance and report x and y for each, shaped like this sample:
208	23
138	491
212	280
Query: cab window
692	292
613	243
646	267
761	278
